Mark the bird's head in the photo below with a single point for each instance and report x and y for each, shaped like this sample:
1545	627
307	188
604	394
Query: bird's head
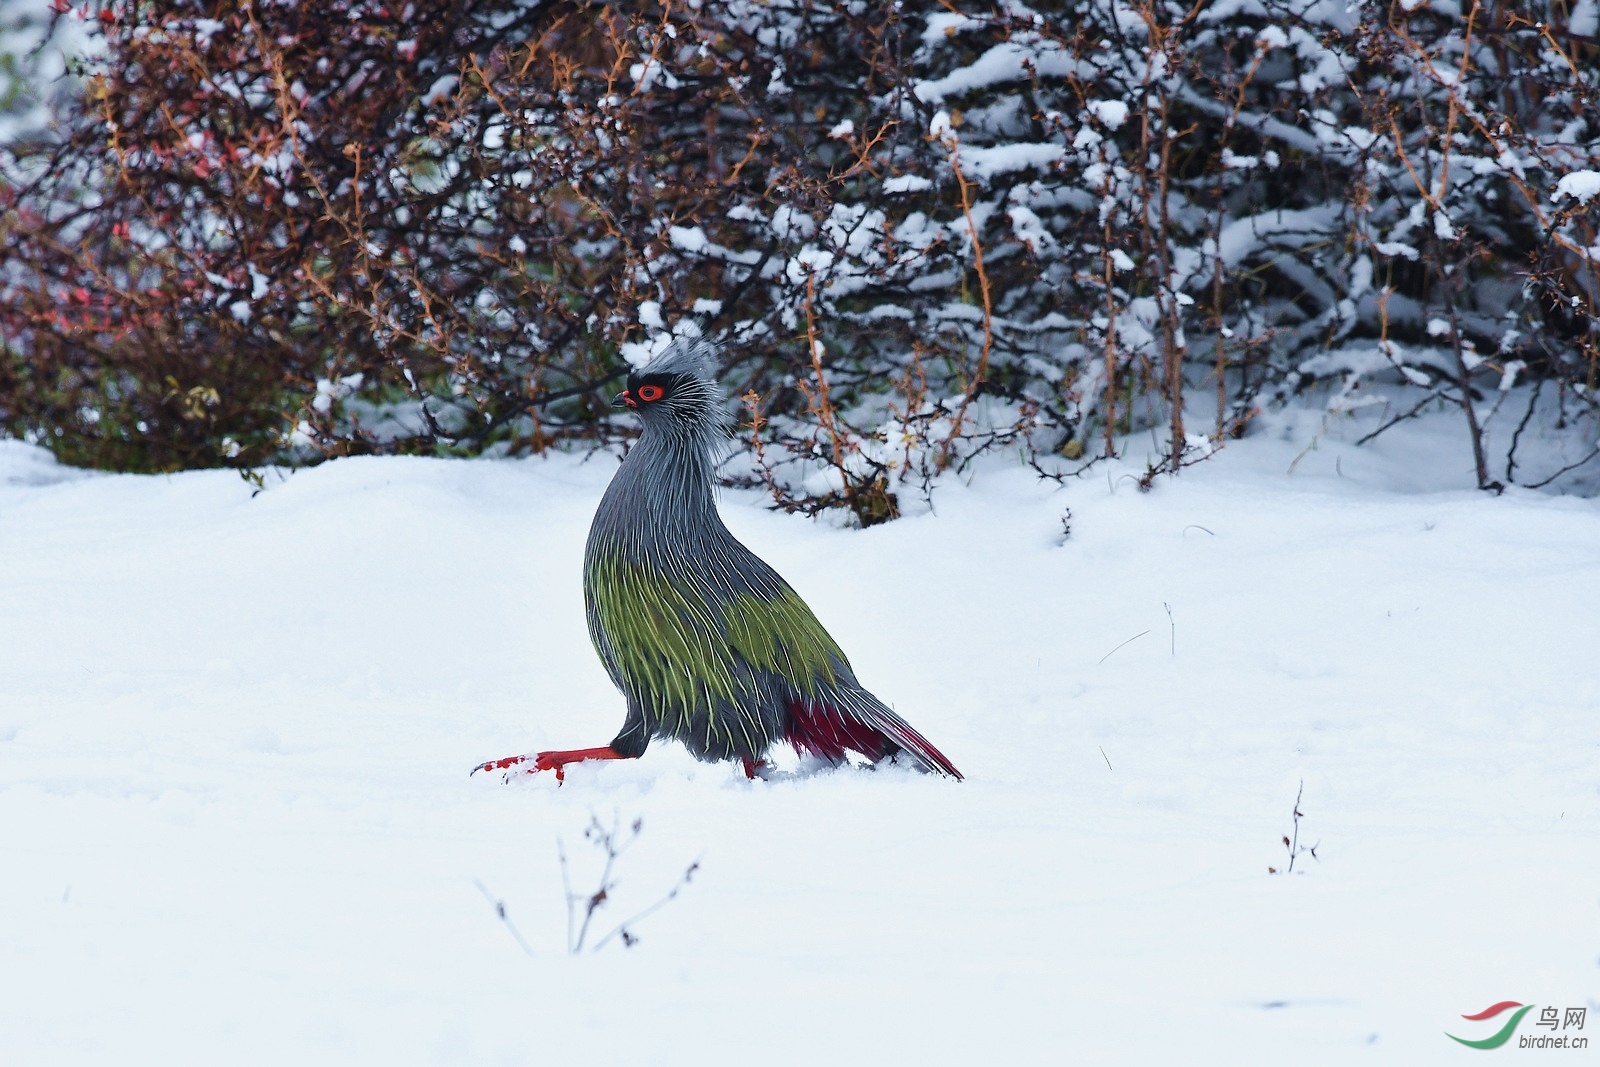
677	390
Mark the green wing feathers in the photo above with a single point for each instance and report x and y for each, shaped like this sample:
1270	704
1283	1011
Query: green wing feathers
674	640
779	634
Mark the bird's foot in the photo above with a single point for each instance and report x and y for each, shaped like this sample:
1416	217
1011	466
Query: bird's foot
755	768
503	764
534	762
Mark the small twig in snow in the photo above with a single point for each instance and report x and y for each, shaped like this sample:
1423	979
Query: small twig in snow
628	936
1569	467
1129	641
1292	845
1416	409
1516	435
566	888
500	910
612	842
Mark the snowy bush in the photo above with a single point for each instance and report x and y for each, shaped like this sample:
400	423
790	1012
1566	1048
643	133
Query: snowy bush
286	231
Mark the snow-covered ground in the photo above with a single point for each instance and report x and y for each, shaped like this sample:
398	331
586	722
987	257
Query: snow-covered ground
236	824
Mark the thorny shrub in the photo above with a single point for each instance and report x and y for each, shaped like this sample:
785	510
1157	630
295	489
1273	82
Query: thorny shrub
273	232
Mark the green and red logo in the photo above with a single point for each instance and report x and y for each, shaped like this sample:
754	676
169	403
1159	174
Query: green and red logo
1551	1017
1495	1040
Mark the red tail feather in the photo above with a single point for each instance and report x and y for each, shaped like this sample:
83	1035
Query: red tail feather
822	731
826	731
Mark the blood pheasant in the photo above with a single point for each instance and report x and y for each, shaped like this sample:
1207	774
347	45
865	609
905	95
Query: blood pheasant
708	644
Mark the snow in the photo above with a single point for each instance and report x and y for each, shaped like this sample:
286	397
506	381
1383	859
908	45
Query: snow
1584	19
1111	112
990	162
646	74
1013	61
1272	37
1396	248
440	90
1243	236
1581	185
649	315
1029	228
907	183
236	725
690	239
1508	375
943	24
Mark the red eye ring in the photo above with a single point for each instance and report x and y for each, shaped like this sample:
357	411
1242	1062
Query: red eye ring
651	393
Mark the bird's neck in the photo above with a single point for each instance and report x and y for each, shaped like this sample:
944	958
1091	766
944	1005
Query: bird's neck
679	465
661	495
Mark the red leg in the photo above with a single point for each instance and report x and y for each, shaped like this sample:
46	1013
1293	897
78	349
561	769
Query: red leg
551	761
751	766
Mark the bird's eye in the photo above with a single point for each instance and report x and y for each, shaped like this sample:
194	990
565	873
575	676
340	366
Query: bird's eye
651	393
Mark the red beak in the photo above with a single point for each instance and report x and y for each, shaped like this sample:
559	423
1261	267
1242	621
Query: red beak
627	398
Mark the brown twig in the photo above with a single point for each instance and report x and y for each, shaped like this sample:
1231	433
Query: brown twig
975	381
